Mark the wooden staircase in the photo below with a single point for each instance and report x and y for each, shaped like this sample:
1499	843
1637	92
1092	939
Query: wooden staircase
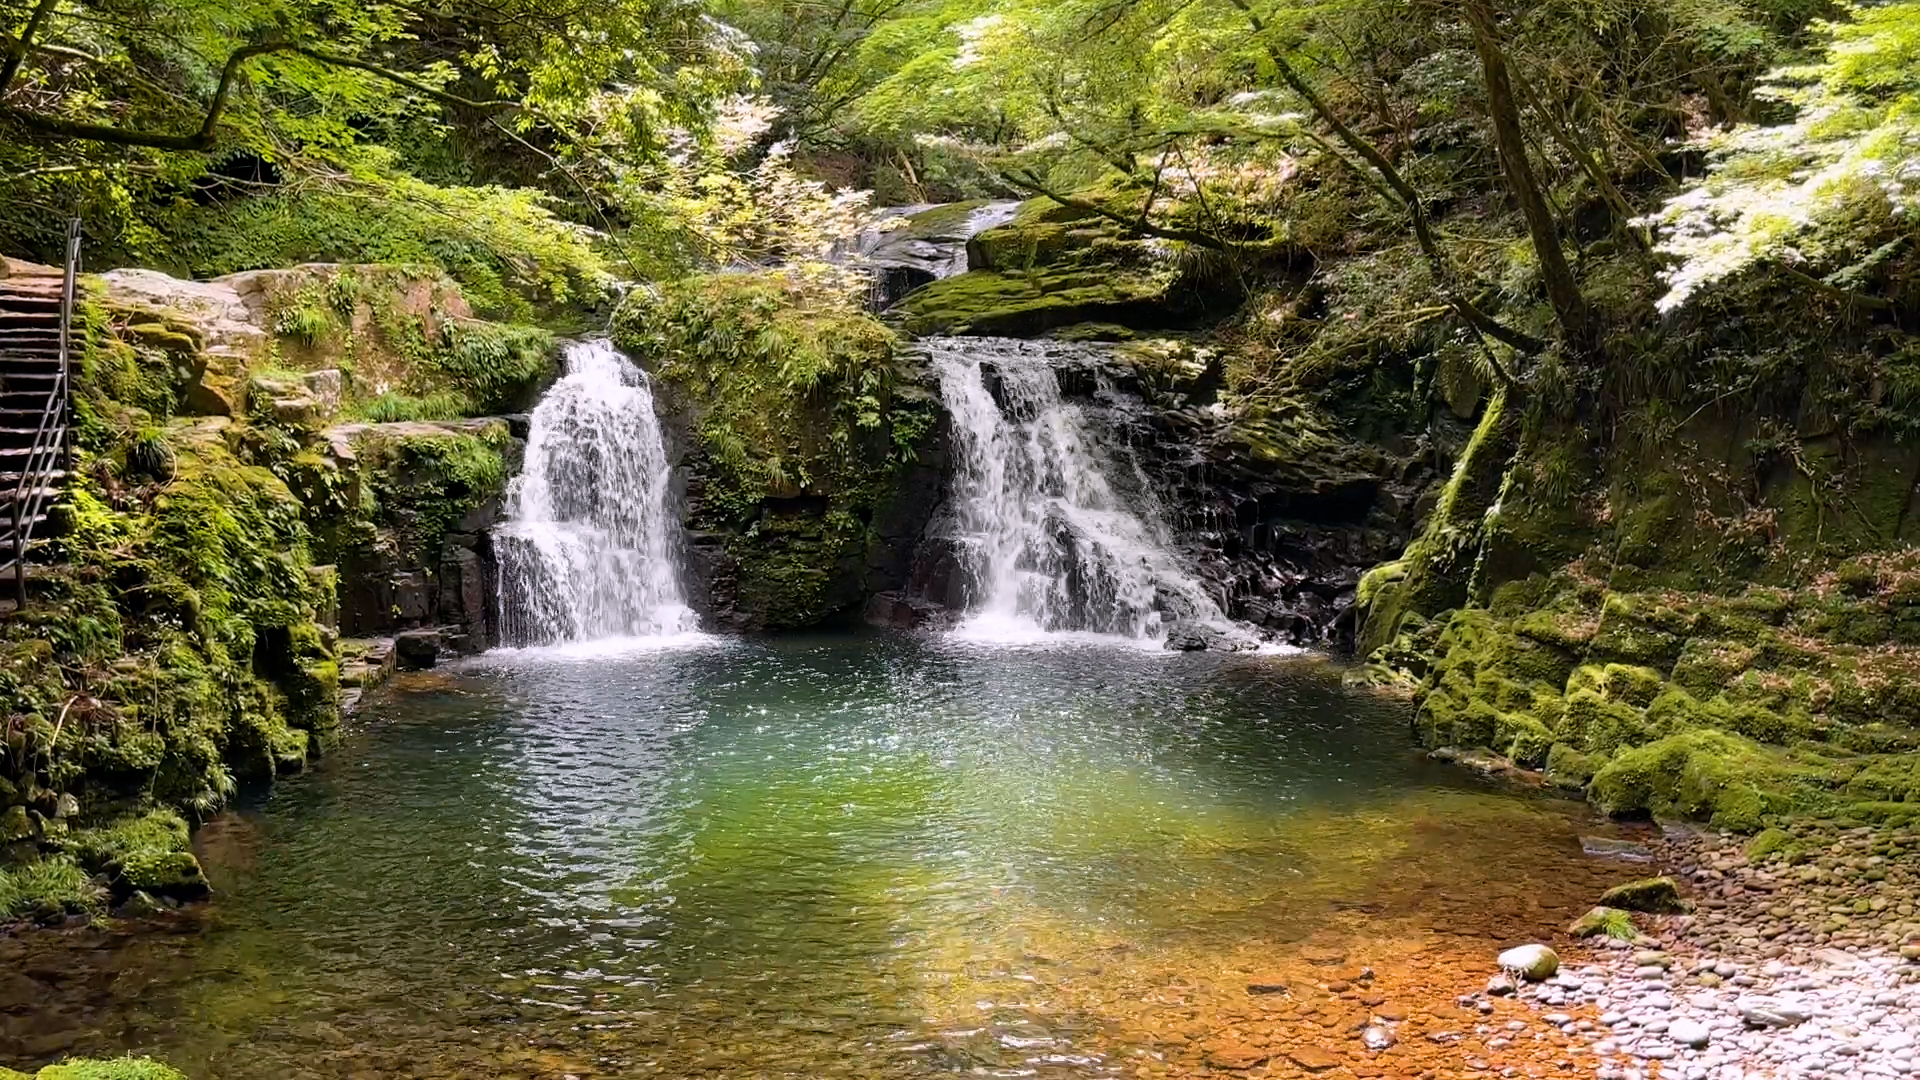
36	328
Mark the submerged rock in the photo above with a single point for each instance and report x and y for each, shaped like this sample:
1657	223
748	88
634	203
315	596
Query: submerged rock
1607	847
1535	963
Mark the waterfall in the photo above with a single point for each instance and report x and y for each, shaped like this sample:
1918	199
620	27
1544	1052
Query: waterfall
1051	533
587	549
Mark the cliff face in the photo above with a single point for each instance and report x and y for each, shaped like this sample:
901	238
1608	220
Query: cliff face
247	499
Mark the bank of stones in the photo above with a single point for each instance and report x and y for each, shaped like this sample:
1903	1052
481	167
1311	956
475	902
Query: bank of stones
1801	961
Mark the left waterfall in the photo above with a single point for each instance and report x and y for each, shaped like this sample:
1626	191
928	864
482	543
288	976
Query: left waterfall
586	552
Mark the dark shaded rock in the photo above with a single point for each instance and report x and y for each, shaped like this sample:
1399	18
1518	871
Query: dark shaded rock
415	650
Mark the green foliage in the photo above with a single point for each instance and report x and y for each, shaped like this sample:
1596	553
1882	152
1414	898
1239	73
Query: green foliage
423	483
1834	189
50	885
325	104
391	407
503	246
1605	922
495	367
162	831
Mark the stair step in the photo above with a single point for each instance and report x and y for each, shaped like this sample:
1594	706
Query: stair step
53	437
28	302
7	500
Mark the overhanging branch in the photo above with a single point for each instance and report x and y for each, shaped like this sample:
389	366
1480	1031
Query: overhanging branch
203	139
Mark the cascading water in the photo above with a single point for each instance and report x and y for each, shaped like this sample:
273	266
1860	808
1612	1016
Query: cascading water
587	549
1046	540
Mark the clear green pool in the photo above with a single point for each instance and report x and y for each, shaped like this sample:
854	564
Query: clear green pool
863	856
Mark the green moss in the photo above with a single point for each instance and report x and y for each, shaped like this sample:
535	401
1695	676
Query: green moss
1729	780
1597	723
158	830
1706	665
161	873
1440	563
806	419
1522	738
1771	844
1027	303
1570	767
424	482
127	1068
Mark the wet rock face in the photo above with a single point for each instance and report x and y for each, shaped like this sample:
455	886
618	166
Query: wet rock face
1280	544
805	556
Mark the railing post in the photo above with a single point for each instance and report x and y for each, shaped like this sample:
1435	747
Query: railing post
19	557
66	333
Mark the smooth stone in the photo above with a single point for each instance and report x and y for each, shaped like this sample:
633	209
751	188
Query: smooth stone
1689	1033
1535	963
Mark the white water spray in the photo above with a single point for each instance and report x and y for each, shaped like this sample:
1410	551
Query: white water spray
587	549
1047	542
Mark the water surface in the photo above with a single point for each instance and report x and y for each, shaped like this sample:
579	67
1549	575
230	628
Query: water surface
869	856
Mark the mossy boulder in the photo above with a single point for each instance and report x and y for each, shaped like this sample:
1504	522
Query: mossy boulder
127	1068
1055	266
1773	844
1715	776
1604	922
1654	895
173	874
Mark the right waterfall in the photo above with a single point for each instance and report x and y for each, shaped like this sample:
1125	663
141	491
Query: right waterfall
1047	538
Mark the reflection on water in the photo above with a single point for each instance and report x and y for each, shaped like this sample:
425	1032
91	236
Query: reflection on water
850	857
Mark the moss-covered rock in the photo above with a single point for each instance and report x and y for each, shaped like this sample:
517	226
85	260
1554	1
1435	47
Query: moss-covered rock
1604	922
809	444
1714	776
172	874
1654	895
127	1068
1054	267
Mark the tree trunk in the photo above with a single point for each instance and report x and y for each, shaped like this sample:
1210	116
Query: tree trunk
1569	306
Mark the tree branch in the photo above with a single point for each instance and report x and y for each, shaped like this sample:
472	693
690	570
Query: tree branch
203	139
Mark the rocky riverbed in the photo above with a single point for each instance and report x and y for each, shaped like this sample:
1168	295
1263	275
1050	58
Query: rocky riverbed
1801	959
